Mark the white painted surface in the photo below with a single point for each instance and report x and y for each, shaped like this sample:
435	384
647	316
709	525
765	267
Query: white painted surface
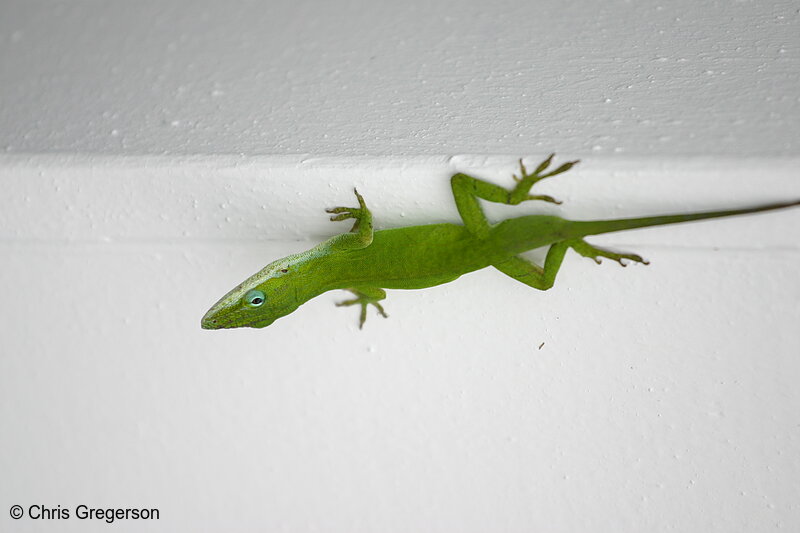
662	397
642	399
401	78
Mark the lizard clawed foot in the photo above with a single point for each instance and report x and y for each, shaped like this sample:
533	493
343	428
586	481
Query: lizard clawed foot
545	198
343	213
595	253
526	180
364	300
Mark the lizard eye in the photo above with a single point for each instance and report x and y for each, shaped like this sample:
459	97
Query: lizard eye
254	298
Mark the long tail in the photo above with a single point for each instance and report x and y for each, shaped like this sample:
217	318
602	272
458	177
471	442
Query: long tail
581	228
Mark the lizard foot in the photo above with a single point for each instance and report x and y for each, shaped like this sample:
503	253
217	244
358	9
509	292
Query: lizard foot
363	299
526	180
595	253
343	213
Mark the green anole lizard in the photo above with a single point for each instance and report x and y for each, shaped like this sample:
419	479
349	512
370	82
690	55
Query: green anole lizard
365	262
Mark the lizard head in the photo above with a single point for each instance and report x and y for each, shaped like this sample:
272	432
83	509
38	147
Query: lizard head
257	302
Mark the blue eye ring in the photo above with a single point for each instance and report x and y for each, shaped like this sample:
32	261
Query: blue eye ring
254	298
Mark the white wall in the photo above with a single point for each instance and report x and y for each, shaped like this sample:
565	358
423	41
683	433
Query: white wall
158	153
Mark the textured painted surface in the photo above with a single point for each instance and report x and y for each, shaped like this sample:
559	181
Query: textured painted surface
408	78
167	199
658	402
648	398
658	398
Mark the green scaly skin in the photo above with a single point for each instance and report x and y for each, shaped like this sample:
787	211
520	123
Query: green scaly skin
365	262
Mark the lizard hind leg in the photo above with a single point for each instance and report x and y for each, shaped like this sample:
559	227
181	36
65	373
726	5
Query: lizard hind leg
595	253
543	277
467	190
531	274
365	297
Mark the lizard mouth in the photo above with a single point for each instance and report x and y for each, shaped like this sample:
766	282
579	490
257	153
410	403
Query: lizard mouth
213	320
216	317
210	321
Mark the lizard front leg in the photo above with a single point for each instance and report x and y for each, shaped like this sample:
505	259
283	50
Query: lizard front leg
365	297
360	235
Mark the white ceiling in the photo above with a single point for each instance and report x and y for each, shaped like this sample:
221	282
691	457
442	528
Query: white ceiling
414	78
